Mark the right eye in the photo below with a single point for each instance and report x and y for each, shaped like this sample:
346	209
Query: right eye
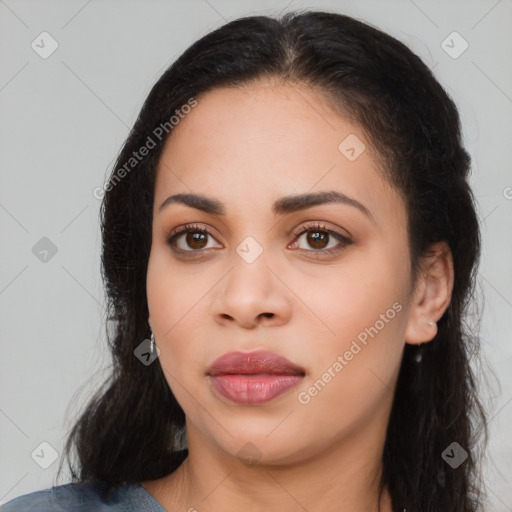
196	238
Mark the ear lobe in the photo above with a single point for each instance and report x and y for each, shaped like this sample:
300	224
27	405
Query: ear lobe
432	296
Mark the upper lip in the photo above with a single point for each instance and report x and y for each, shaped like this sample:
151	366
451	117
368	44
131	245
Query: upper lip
261	361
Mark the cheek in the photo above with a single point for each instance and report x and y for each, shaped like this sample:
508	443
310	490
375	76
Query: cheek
177	307
174	293
355	362
359	311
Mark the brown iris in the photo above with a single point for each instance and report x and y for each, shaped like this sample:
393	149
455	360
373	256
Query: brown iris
317	237
194	237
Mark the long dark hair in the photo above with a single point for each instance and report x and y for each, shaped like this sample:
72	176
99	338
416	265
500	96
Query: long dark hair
130	429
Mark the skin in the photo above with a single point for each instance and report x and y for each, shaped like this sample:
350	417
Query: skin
248	147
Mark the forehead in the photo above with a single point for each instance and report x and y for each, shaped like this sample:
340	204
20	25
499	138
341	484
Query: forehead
267	140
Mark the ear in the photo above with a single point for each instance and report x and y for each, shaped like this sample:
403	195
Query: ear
432	294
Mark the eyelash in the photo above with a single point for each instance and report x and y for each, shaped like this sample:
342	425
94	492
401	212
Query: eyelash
344	241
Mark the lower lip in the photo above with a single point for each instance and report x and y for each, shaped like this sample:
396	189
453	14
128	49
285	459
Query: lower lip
254	388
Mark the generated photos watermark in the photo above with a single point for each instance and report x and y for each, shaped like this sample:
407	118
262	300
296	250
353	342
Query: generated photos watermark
304	397
158	133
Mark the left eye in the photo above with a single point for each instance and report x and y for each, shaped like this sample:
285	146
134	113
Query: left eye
318	237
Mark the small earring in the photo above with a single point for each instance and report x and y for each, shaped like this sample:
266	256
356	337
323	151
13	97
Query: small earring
432	324
152	344
418	356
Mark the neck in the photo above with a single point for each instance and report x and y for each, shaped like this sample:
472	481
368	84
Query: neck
344	476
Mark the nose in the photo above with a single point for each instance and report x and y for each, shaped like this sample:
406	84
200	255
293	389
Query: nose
252	295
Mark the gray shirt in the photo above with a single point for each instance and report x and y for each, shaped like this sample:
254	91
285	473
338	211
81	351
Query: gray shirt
84	497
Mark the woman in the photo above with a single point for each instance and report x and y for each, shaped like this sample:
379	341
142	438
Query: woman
289	247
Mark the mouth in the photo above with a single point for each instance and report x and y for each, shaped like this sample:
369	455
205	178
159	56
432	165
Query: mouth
253	377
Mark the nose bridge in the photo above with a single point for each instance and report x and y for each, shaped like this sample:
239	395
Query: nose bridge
251	289
250	262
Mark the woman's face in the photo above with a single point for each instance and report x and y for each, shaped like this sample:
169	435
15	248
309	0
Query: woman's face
265	277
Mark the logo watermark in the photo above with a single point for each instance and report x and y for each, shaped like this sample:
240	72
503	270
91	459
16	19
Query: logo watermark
44	455
454	45
454	455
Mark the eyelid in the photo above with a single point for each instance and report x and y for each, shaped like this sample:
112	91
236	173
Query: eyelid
322	226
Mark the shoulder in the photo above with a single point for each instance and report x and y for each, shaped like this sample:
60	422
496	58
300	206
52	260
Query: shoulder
77	497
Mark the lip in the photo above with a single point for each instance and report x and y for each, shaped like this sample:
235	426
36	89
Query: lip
253	377
260	361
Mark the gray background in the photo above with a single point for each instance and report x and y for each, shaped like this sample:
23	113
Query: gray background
63	121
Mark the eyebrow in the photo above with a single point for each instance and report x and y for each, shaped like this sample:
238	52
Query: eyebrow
282	206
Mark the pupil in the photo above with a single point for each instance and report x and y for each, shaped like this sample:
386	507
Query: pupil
317	238
195	238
